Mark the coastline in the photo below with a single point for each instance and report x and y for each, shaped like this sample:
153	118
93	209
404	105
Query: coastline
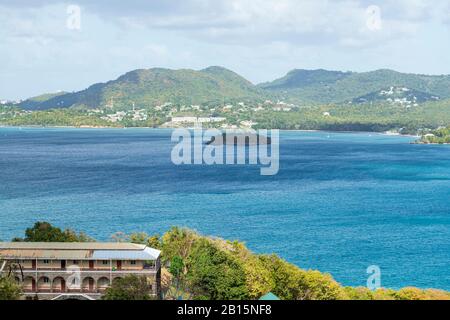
172	128
430	143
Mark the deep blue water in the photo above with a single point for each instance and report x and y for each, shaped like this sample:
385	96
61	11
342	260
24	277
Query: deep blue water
340	203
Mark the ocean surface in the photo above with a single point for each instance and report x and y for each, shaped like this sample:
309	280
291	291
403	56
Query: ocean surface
341	202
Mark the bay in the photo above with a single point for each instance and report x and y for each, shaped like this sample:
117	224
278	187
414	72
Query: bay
341	202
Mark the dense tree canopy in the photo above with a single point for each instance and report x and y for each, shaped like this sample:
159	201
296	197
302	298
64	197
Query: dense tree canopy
9	289
129	288
376	117
213	265
440	136
45	232
215	274
153	241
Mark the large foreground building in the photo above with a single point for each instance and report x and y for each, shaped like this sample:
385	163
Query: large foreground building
77	270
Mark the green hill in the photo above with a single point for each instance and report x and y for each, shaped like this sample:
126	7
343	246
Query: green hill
34	102
216	85
146	88
324	87
46	96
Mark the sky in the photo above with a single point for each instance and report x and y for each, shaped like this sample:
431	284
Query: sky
52	45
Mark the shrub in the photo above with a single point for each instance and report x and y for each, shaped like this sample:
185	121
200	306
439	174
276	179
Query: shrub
129	288
9	289
214	274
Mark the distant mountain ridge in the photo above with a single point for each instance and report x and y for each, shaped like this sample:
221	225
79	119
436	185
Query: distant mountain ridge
150	87
324	87
302	78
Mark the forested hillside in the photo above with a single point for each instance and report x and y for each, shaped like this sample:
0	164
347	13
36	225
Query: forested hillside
147	88
322	86
217	85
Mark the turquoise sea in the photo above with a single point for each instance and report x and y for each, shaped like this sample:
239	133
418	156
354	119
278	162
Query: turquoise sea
340	203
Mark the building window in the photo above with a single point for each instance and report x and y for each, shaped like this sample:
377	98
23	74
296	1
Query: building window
46	280
133	262
75	261
46	261
105	262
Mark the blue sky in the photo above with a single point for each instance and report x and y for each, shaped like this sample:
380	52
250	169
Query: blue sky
45	46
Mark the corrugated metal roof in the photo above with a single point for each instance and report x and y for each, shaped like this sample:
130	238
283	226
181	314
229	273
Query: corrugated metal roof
46	254
77	251
71	246
147	254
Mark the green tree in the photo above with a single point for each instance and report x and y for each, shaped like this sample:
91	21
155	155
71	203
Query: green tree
178	242
320	286
153	241
411	294
286	278
359	293
258	278
215	274
176	285
45	232
138	238
293	283
120	237
176	267
9	289
129	288
176	270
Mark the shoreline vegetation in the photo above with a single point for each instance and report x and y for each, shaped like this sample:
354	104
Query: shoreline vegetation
197	267
440	136
173	128
388	120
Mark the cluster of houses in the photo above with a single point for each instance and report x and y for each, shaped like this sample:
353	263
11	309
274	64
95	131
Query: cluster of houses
185	115
196	121
178	119
134	115
13	113
10	102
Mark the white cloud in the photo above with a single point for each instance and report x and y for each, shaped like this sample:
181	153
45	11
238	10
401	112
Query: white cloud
247	22
259	38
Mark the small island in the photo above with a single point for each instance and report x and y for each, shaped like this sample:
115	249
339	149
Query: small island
240	139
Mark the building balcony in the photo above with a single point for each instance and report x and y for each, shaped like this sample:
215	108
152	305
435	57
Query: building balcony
29	291
91	271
